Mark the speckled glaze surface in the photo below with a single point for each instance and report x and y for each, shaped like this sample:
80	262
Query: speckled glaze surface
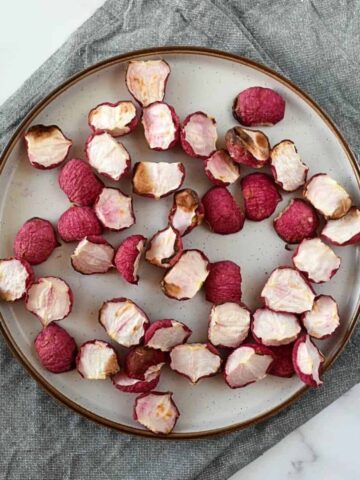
200	80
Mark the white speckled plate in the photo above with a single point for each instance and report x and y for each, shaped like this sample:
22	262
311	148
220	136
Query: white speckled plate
200	80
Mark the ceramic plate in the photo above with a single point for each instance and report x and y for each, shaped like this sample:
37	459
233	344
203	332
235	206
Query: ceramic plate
200	80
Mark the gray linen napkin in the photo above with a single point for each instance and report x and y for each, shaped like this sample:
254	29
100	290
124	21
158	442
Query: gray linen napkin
315	43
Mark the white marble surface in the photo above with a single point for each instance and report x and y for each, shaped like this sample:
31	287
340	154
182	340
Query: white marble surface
326	447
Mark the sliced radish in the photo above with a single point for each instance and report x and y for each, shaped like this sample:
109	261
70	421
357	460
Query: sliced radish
316	260
47	146
247	364
327	196
114	209
56	349
156	411
287	291
123	321
93	255
249	147
275	328
195	360
229	325
288	169
222	213
259	106
109	157
128	256
260	196
50	299
223	283
16	276
165	334
345	231
143	362
77	223
78	181
282	365
296	222
165	248
323	319
146	80
161	126
198	135
157	180
97	360
132	385
35	241
115	118
187	211
187	276
307	360
221	169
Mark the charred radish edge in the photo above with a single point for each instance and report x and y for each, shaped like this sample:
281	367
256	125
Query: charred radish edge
172	251
157	331
150	405
142	362
147	187
305	351
221	169
248	147
23	274
109	364
43	134
187	211
123	124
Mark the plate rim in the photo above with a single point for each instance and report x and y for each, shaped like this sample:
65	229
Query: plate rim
122	58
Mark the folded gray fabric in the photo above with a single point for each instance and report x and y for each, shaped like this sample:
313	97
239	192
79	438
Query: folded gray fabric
315	43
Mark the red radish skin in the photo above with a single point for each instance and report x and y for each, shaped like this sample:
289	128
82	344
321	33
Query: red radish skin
161	126
307	360
345	231
229	325
187	211
142	362
282	365
132	385
166	334
327	196
97	360
114	209
146	80
157	180
79	183
296	222
220	169
156	411
108	156
77	223
287	167
274	329
195	361
165	248
49	299
35	241
47	146
93	255
56	349
187	276
257	106
198	135
287	291
128	256
222	213
247	364
223	283
248	147
16	276
123	321
316	260
323	319
117	119
260	196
